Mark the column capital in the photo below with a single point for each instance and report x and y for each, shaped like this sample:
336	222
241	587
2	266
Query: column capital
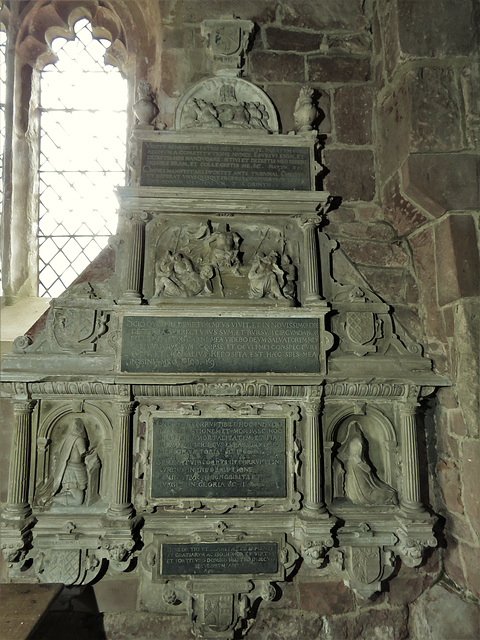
139	217
24	406
125	408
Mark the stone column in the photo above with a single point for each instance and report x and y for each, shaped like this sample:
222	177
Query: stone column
18	507
312	274
314	501
120	505
133	269
410	501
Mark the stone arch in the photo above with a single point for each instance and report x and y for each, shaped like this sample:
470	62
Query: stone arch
380	433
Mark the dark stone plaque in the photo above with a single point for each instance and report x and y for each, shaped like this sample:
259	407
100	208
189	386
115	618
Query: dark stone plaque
219	458
225	166
153	344
220	558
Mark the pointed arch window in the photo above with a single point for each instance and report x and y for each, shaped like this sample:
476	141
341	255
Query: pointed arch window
82	133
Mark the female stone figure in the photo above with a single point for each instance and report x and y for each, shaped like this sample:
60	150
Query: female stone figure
362	485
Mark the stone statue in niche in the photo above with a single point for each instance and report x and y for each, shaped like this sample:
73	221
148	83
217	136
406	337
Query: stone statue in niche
74	480
266	277
360	482
176	276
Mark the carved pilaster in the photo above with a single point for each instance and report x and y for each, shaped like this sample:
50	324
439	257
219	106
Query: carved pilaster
135	239
312	274
410	502
121	506
18	506
314	500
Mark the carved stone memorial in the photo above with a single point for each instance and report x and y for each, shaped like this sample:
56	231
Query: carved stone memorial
222	408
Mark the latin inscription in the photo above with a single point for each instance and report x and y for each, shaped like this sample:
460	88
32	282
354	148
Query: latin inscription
218	458
152	344
220	558
225	166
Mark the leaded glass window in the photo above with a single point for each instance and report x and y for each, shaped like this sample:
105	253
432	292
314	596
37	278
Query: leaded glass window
82	157
3	87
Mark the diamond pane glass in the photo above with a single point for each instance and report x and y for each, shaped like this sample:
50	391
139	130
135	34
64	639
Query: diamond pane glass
82	157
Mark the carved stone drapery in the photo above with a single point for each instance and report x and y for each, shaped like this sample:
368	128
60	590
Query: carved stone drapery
411	501
121	506
18	506
312	277
132	276
314	500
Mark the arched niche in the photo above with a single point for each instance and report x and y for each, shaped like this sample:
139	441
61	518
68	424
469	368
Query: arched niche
381	446
52	434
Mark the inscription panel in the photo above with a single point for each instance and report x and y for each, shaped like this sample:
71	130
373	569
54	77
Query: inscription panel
152	344
219	458
220	558
225	166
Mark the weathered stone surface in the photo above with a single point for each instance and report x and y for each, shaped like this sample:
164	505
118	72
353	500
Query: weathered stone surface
116	595
322	15
467	348
342	228
284	97
381	624
277	67
424	258
388	283
448	30
351	174
443	615
339	69
407	586
470	80
352	43
470	477
446	397
367	252
441	182
353	115
453	563
457	259
6	415
471	555
393	131
326	598
411	289
435	129
369	213
287	40
260	11
449	481
404	217
146	626
274	624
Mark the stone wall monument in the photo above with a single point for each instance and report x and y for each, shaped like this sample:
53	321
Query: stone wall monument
221	409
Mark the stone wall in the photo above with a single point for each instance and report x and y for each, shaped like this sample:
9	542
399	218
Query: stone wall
396	82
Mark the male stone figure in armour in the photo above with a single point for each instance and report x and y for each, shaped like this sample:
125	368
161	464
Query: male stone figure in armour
69	479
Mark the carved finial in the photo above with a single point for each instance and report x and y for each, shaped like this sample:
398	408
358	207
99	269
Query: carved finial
305	110
145	108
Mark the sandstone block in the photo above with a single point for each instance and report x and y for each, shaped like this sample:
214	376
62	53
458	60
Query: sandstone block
436	28
393	131
457	259
342	14
259	11
388	283
341	69
368	253
326	598
407	586
453	562
277	67
404	217
470	81
275	624
381	624
351	174
147	626
353	115
441	182
471	476
449	481
286	40
443	615
436	114
471	556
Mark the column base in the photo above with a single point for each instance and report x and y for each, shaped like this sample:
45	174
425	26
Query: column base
16	513
133	298
120	512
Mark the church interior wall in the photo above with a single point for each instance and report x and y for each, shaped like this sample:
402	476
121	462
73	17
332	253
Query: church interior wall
396	83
